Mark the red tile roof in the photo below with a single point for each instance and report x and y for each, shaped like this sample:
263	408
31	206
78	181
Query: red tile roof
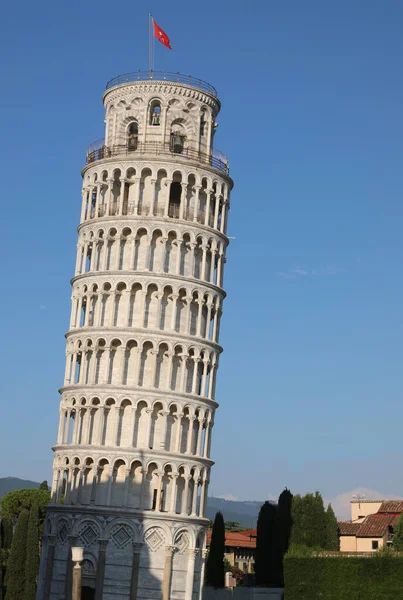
377	525
348	528
235	539
391	506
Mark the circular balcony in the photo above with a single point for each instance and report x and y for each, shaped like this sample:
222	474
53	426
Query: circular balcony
199	84
98	151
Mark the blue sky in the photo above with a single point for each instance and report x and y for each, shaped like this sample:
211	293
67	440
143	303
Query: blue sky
310	382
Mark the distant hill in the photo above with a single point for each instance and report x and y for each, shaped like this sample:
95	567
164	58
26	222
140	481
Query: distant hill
9	484
244	512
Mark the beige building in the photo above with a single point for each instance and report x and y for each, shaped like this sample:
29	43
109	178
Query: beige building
240	549
371	525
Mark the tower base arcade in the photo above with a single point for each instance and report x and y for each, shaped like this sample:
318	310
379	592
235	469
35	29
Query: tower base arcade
128	555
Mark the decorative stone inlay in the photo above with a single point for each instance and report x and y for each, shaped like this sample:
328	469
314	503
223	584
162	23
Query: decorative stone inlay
154	539
182	542
89	534
62	532
121	536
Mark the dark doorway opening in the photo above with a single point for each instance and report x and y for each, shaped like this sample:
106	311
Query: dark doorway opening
87	593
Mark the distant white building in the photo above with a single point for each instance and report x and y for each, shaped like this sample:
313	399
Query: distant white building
132	457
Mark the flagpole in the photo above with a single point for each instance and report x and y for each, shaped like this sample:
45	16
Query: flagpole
150	44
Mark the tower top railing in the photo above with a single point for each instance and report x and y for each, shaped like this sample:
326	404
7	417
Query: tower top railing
162	76
99	151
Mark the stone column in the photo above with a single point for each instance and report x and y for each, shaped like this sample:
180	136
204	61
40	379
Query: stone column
207	217
49	566
202	569
108	197
217	206
126	490
196	203
152	196
160	475
137	181
199	317
172	505
178	432
134	581
77	574
69	567
192	419
174	309
166	582
212	265
99	586
183	201
203	496
166	206
190	573
194	497
206	440
203	263
206	362
196	360
179	243
199	436
165	415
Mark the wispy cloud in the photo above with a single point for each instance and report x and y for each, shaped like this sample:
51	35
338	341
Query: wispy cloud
228	497
298	272
43	307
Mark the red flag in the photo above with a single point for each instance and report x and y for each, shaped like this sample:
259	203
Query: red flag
161	35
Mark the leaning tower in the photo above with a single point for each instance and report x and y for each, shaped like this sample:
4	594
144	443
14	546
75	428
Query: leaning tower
132	457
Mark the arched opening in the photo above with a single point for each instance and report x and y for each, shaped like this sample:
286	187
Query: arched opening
132	136
174	199
155	113
177	139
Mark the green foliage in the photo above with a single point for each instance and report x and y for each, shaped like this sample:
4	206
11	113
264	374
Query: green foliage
32	559
265	545
2	589
215	576
6	533
331	530
282	533
312	526
398	535
44	486
15	575
339	577
13	503
234	526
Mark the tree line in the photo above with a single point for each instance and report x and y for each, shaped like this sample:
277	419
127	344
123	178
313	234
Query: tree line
294	522
22	516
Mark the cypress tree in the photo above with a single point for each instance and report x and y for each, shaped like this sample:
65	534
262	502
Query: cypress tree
331	530
265	545
1	577
44	486
32	558
282	529
398	535
309	521
215	576
15	576
6	533
297	536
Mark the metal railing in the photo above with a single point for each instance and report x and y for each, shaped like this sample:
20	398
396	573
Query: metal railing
217	160
162	76
148	211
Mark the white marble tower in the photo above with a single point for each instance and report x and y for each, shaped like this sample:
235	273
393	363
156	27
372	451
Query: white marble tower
132	458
